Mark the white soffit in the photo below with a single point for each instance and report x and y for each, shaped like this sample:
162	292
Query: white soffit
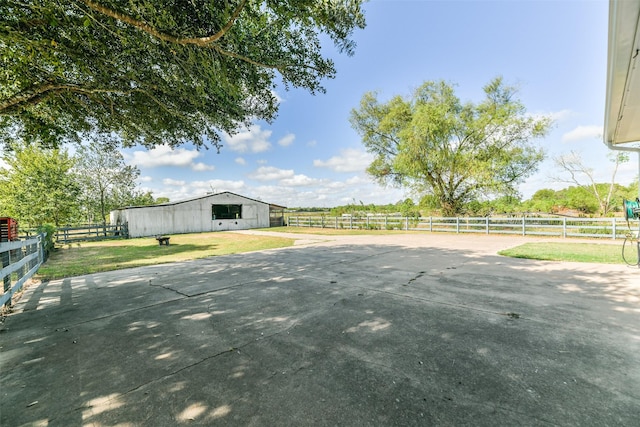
622	110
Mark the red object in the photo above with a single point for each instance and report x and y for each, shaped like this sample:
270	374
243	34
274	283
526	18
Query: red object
8	229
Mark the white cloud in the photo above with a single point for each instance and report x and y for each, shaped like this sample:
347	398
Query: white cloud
336	185
145	179
312	143
555	116
358	180
200	167
262	162
240	161
350	160
217	186
163	155
177	190
287	140
270	173
560	116
582	133
300	181
278	98
253	140
173	182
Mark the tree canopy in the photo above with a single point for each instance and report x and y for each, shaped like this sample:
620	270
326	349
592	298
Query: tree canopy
159	71
41	186
455	151
106	182
37	186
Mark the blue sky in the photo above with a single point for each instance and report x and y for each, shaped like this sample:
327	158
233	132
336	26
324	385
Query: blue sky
554	51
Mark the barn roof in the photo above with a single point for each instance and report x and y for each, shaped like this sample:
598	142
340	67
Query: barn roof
199	198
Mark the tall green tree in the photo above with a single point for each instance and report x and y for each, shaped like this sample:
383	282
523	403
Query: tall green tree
456	151
106	182
37	186
159	71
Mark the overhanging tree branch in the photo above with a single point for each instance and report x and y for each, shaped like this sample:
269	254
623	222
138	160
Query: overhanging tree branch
36	94
207	41
199	41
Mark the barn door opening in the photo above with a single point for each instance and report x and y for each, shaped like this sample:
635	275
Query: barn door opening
225	217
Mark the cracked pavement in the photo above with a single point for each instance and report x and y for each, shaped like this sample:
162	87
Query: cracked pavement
389	330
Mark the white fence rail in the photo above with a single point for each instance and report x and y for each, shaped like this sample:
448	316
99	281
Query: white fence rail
20	260
611	228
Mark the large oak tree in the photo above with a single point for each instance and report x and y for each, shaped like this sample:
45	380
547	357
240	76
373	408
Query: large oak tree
159	71
436	144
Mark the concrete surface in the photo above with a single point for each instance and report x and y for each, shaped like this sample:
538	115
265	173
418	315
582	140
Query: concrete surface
340	331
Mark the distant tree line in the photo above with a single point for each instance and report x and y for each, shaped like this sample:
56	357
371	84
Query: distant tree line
571	201
51	186
582	199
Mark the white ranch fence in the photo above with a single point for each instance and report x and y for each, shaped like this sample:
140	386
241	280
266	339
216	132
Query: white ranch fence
20	260
611	228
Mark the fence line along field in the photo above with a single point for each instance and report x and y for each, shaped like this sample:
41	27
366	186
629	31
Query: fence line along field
612	228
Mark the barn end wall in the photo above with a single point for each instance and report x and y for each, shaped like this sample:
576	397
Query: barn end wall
192	216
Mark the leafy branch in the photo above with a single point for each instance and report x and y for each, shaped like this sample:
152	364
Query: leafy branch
149	29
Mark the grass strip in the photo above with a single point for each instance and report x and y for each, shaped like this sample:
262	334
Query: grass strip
94	257
576	252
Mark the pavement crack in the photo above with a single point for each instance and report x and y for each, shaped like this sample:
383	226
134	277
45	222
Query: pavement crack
184	368
169	289
416	277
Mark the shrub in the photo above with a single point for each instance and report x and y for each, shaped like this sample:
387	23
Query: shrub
49	231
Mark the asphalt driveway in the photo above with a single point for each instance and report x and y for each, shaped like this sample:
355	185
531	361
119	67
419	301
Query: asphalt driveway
346	331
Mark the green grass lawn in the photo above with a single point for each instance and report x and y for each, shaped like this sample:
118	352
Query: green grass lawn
578	252
93	257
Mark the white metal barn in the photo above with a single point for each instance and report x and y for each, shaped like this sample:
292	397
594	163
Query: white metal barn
213	212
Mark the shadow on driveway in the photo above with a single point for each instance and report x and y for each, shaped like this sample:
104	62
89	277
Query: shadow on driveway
332	334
